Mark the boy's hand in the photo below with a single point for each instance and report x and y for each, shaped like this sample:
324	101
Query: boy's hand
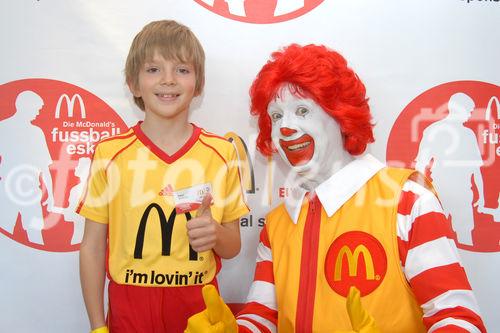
361	321
216	318
203	230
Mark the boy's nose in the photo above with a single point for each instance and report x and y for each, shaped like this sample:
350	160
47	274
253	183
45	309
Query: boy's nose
168	79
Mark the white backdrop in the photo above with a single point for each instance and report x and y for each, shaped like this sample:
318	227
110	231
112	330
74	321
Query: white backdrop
401	50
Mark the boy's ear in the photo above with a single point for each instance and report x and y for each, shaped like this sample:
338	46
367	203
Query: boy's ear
133	89
198	92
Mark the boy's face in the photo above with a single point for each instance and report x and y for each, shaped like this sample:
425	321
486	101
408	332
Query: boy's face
306	137
166	87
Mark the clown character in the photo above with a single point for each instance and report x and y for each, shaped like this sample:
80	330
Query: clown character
353	222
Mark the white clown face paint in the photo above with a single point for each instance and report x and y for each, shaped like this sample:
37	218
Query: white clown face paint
306	137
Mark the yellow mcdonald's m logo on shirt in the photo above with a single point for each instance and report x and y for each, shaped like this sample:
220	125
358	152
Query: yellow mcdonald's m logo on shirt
353	261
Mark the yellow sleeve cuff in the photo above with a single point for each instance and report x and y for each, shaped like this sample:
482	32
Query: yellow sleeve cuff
103	329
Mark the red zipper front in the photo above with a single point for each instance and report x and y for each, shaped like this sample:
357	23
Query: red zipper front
308	268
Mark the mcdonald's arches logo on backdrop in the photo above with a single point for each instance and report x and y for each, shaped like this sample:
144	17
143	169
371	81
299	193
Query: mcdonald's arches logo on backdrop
355	259
70	105
246	166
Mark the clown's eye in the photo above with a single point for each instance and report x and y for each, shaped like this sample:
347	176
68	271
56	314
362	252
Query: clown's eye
275	116
301	111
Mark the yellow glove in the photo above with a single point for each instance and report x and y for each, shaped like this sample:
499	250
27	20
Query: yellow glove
361	321
216	318
102	329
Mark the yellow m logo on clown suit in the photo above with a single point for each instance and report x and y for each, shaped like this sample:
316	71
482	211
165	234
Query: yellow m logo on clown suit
352	262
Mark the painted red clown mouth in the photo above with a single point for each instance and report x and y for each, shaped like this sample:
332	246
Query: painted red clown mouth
298	151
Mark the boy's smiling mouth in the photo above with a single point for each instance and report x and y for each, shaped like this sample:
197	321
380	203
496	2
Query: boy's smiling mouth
167	97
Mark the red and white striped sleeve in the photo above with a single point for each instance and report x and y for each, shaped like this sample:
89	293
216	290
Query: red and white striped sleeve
432	265
260	313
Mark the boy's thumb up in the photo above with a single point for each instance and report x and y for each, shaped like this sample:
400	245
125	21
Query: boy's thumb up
204	209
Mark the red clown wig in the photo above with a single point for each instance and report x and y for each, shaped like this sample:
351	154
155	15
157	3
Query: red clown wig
321	74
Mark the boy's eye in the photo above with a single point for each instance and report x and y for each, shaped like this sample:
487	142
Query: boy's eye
183	70
152	69
301	111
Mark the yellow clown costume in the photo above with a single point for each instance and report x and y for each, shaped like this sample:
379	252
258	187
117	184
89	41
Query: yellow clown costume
314	247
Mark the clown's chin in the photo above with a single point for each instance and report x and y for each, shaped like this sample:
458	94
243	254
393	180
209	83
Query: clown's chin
299	162
306	168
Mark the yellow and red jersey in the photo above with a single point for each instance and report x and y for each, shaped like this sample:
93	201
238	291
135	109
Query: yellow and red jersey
130	188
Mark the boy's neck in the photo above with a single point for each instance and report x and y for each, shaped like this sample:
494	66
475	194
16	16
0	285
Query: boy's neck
168	136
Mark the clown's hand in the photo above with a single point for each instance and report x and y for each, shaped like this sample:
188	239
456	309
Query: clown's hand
216	318
361	321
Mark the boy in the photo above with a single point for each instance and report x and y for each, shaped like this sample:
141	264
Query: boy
144	188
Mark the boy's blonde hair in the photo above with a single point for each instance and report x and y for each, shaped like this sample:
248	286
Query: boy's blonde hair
173	41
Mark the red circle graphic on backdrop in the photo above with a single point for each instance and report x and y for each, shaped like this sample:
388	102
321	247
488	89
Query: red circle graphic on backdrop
260	11
450	132
49	129
357	259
